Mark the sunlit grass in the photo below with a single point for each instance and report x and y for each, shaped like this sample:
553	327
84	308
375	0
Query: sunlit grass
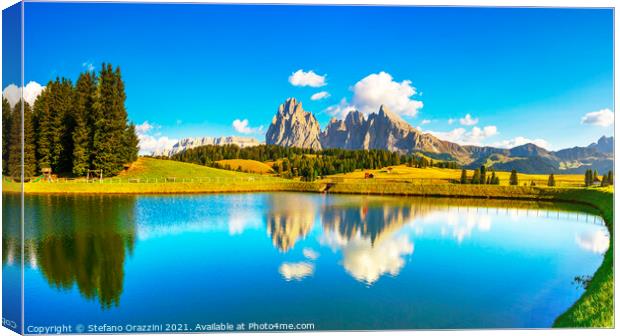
443	175
250	166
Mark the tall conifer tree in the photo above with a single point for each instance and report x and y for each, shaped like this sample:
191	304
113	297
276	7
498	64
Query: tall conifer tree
43	117
30	160
483	174
514	179
84	96
15	145
463	176
6	131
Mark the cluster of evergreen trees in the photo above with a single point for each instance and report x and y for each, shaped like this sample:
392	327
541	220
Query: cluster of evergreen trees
480	176
71	129
421	161
591	176
304	162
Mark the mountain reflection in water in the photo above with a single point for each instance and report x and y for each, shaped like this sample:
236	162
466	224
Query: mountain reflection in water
84	241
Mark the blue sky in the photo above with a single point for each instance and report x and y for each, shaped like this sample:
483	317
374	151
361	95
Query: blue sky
192	70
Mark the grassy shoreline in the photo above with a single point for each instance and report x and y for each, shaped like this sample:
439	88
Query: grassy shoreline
595	308
159	188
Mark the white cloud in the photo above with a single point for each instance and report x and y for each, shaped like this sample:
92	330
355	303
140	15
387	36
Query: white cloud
89	66
603	118
303	78
451	121
468	120
595	241
455	222
310	253
475	136
320	95
518	141
243	126
152	143
296	271
367	262
144	127
238	222
380	89
341	109
31	92
425	122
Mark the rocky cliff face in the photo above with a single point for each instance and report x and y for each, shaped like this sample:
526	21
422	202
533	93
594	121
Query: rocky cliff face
294	127
188	143
384	130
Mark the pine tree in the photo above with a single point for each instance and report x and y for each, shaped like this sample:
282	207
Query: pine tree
483	173
15	146
62	125
30	160
588	178
604	182
476	178
595	176
551	181
514	179
494	178
610	177
84	98
110	120
463	176
129	144
43	117
6	131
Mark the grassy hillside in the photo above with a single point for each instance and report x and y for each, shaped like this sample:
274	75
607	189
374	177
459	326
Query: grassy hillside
442	175
148	175
155	168
250	166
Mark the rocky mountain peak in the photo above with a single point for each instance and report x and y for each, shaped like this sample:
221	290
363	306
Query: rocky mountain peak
290	107
294	127
392	118
354	118
604	145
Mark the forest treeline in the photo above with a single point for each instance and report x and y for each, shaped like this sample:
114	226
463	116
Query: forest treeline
304	162
71	128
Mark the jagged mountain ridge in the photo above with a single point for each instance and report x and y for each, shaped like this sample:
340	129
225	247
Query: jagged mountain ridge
292	126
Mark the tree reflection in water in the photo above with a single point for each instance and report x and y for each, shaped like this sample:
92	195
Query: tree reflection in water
79	241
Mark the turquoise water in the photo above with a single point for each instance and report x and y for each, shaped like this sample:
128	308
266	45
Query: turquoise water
339	262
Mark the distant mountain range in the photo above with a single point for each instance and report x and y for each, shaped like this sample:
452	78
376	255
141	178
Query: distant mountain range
294	127
188	143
